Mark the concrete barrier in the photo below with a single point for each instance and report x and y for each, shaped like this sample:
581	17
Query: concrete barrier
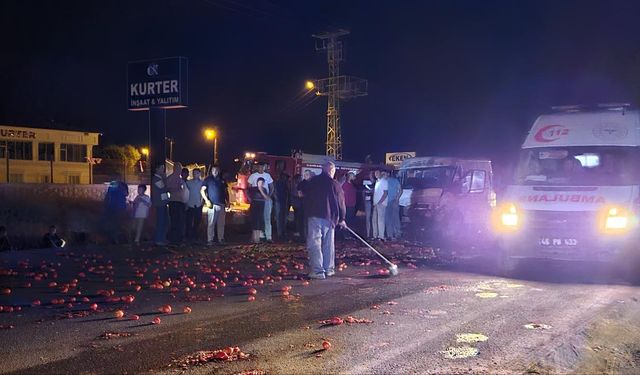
27	210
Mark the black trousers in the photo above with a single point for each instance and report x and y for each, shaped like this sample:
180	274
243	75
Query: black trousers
177	215
194	220
301	228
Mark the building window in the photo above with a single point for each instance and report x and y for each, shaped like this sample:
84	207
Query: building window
16	178
74	180
45	151
73	153
17	150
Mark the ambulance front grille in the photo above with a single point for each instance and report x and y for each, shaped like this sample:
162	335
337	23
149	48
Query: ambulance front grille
559	220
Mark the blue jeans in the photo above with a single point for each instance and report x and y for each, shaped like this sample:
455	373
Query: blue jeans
320	244
281	219
392	220
268	205
368	212
160	235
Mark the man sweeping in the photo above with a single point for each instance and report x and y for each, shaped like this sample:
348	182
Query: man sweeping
325	208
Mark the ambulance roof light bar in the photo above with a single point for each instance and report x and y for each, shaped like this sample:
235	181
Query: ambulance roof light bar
585	108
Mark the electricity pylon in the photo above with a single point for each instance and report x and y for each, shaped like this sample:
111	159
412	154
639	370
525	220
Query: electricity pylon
336	87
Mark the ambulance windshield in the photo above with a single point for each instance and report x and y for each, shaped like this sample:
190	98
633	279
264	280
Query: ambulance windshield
428	177
579	166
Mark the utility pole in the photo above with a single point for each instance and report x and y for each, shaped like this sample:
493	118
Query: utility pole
336	87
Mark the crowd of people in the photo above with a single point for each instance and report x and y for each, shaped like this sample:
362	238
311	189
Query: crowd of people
321	204
179	201
179	198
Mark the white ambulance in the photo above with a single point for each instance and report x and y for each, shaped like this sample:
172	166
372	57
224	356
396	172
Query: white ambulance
576	191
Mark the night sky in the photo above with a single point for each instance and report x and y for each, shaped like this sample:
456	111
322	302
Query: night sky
445	77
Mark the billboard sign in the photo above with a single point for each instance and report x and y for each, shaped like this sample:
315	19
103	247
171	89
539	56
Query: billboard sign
158	83
396	158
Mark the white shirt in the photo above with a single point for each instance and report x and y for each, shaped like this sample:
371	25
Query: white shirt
368	186
195	199
142	210
253	180
381	186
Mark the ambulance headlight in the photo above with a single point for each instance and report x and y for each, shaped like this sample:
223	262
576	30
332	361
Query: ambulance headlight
507	218
616	220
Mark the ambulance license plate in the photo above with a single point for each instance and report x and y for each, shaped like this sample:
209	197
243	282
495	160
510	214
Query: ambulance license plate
557	242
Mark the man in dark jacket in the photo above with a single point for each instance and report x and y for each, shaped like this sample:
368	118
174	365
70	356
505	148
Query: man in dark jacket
281	204
115	205
216	198
325	208
159	200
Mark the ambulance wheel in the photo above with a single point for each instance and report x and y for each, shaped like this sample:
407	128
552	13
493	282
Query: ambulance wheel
629	267
507	266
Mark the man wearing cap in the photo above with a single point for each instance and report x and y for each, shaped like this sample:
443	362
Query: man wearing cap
325	209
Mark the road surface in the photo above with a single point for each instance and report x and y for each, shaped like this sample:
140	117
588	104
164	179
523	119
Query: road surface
434	317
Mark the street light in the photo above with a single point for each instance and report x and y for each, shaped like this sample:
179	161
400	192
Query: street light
310	85
145	151
211	135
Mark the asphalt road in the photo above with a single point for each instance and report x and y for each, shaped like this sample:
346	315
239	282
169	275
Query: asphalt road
435	317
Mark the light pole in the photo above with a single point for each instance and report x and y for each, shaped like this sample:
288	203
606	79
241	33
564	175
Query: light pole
211	135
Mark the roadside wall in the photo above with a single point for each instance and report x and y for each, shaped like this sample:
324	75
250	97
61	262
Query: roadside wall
27	210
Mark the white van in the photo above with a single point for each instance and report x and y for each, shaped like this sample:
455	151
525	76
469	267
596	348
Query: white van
576	191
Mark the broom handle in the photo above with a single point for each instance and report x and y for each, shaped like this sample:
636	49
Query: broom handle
369	246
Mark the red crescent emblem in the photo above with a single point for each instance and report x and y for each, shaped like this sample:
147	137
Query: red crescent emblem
550	133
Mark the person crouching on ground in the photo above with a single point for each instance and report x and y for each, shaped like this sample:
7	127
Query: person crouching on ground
141	205
325	208
51	240
258	195
216	198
